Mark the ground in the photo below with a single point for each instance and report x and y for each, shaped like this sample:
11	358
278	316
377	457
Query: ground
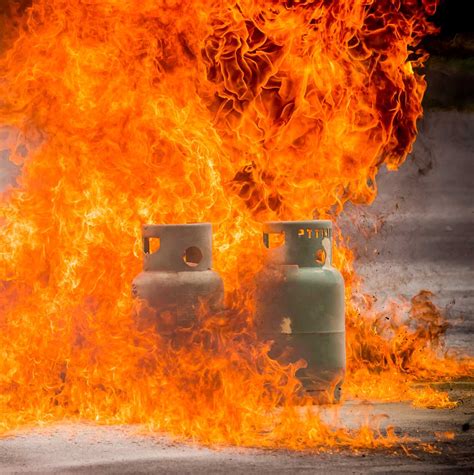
81	448
424	221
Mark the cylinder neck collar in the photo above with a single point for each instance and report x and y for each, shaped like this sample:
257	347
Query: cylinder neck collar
302	243
177	247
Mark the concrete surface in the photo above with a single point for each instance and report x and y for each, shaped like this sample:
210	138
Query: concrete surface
81	448
419	232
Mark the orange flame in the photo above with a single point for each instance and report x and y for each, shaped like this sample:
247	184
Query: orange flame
126	112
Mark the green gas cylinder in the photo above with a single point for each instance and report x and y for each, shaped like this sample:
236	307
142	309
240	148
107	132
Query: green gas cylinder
300	304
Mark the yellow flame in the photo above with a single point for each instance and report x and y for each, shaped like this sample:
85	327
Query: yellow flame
168	112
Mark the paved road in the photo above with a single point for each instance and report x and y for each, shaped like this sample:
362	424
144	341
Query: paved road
80	448
424	217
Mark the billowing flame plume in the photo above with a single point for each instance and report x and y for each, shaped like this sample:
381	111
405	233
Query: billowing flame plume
128	112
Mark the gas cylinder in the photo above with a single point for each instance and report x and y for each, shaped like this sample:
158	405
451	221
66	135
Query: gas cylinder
300	304
177	275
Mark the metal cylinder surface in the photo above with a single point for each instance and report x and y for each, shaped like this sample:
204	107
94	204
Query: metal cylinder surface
300	304
177	275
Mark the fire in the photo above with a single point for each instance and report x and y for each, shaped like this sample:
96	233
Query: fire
129	112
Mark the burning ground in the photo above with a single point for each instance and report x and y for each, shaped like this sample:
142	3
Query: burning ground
123	113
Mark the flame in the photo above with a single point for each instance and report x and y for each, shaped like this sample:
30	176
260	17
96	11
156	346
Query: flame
129	112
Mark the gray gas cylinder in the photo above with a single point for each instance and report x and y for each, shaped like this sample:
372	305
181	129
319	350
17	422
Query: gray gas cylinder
177	275
300	304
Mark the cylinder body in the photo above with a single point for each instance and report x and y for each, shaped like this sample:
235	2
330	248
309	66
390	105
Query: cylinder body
300	304
177	275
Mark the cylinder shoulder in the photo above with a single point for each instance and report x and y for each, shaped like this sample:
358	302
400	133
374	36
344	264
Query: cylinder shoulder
327	275
165	276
